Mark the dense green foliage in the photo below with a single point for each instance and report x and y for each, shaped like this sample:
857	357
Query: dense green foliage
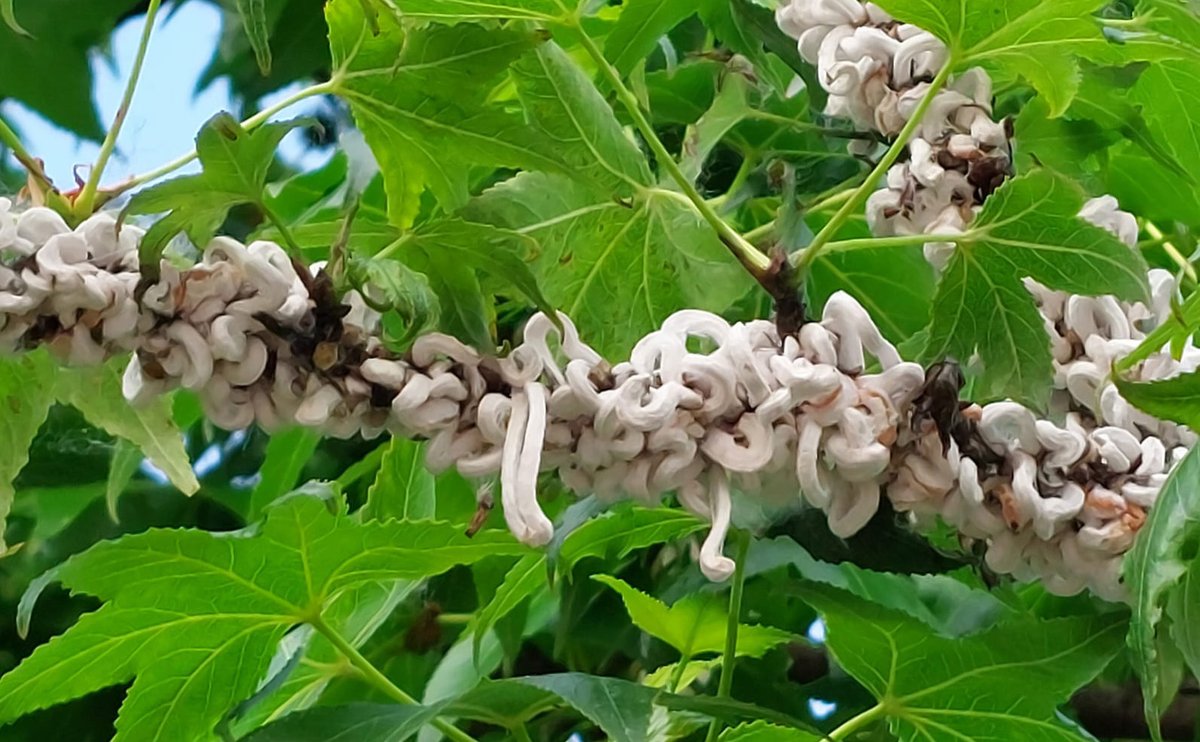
538	155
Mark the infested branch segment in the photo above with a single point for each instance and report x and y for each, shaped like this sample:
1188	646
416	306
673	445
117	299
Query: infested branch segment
825	412
702	408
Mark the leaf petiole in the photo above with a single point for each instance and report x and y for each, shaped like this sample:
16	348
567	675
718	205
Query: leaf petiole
372	675
754	261
677	674
729	656
253	122
1189	271
904	240
858	722
86	202
284	230
805	259
9	138
521	733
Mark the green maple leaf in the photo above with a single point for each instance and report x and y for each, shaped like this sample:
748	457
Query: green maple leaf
96	392
254	19
617	269
641	25
26	395
1039	41
1028	228
194	618
577	122
358	613
451	11
55	74
612	536
420	98
404	488
235	164
761	731
298	49
975	687
694	624
1177	398
1161	568
1167	94
893	284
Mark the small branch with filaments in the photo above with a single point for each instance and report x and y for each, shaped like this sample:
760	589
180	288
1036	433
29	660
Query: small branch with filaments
86	201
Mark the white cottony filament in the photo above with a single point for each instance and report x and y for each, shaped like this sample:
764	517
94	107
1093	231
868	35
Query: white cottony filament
785	419
713	563
1038	522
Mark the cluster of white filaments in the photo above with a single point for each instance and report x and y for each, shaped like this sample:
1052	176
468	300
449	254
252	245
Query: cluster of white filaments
703	408
1059	499
876	72
245	331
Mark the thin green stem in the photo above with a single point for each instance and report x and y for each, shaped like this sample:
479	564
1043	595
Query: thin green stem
837	196
365	466
835	199
1136	23
760	231
337	253
755	262
858	722
85	203
729	656
855	202
392	247
10	139
749	162
677	674
792	123
253	122
1151	345
284	231
1189	271
904	240
372	675
521	733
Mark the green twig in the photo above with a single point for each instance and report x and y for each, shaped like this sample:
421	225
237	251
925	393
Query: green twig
829	131
253	122
677	674
838	197
372	675
393	247
339	249
10	139
284	230
816	247
729	656
760	231
1148	347
858	722
1189	271
365	466
755	262
903	240
85	203
749	162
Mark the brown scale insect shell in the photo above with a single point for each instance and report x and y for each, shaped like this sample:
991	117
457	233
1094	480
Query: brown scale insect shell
326	355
